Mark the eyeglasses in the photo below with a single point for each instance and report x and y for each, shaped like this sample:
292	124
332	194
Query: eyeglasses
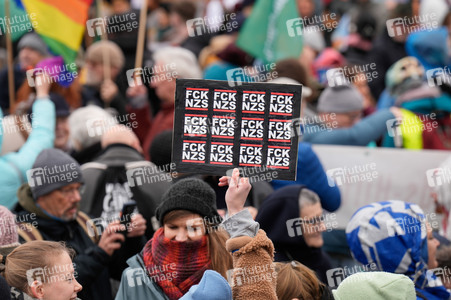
67	191
315	220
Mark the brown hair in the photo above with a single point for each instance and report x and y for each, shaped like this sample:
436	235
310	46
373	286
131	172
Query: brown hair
71	94
31	255
443	257
186	9
221	260
294	280
292	68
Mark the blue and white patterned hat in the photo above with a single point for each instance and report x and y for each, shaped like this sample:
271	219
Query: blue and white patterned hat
392	235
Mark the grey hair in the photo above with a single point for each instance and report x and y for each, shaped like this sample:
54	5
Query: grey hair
444	190
183	60
82	131
307	197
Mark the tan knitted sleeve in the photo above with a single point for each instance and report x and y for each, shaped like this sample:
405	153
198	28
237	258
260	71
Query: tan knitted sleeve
253	276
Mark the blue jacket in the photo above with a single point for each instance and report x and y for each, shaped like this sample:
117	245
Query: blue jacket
361	134
430	47
310	173
14	165
135	284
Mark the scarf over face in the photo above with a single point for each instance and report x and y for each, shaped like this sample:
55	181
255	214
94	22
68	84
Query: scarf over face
175	266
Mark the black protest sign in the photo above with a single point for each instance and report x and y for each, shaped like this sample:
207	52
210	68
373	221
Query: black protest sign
249	126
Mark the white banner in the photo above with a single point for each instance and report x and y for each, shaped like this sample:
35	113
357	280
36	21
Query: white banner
366	175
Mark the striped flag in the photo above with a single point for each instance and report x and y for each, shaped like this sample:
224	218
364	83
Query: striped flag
61	24
18	22
265	34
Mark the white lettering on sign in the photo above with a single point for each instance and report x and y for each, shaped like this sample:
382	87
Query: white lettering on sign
193	151
250	155
252	128
281	103
195	125
196	99
279	130
278	157
223	126
254	102
221	153
224	100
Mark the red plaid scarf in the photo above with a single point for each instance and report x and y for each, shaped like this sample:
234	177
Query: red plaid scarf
175	266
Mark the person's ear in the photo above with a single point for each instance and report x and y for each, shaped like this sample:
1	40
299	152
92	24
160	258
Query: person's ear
37	289
137	146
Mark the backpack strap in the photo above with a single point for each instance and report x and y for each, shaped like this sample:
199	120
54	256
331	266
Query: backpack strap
84	221
28	232
94	173
31	233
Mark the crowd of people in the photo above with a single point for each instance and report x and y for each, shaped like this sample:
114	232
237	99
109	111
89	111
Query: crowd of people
74	157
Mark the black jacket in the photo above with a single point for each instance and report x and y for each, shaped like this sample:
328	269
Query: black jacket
93	265
384	54
112	167
276	210
91	95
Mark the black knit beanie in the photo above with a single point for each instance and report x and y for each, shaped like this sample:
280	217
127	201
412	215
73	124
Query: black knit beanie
190	194
161	149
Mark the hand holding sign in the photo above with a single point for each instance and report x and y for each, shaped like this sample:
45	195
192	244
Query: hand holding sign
237	192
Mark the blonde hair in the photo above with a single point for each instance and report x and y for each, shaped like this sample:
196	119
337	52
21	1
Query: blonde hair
221	260
31	255
294	280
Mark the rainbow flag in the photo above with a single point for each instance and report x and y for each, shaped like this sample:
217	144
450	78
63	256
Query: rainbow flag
61	24
18	23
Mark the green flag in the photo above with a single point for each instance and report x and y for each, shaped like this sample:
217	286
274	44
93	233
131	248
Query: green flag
18	22
265	34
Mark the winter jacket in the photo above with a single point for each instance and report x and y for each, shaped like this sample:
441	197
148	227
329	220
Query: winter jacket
430	47
104	170
385	52
87	154
211	286
280	209
362	133
91	95
5	292
19	78
253	274
93	265
135	284
310	173
426	113
14	165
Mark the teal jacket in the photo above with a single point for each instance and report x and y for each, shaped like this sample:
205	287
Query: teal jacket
135	284
14	165
365	131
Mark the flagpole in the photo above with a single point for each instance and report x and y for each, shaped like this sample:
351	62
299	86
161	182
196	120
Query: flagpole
9	52
141	35
106	53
